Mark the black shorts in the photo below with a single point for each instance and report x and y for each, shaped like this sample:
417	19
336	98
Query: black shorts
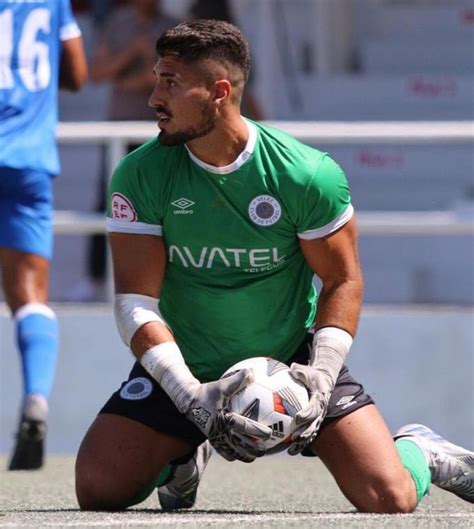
141	398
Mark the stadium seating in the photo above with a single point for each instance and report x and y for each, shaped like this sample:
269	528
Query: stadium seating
421	96
412	55
407	178
442	20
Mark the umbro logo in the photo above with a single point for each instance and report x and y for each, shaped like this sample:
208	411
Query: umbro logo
345	402
183	205
277	429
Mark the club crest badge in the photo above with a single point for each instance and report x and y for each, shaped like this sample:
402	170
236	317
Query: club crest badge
136	389
264	210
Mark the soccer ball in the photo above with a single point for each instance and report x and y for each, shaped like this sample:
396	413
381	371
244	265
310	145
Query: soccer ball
272	399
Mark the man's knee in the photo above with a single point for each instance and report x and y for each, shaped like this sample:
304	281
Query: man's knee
389	494
96	490
117	463
99	486
25	278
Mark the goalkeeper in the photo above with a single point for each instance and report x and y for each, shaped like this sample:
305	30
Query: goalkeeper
217	228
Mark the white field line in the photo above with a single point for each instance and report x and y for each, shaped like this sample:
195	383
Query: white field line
249	519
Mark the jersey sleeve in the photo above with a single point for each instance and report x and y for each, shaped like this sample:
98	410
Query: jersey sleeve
130	202
327	202
68	28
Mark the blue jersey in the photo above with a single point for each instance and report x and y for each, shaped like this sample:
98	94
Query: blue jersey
31	32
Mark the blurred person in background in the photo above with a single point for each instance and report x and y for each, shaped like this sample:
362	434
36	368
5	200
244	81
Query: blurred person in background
124	57
100	11
40	48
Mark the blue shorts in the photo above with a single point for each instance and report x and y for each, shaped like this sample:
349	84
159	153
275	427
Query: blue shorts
26	211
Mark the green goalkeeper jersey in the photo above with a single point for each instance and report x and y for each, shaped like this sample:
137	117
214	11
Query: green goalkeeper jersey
236	283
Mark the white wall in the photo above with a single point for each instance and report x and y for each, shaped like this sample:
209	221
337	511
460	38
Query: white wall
416	363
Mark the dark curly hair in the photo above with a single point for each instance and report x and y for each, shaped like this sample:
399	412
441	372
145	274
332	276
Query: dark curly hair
207	39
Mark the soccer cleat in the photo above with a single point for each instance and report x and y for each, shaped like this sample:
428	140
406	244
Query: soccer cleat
180	492
451	466
29	449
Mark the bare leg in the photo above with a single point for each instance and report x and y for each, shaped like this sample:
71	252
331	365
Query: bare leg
25	278
119	458
25	283
359	451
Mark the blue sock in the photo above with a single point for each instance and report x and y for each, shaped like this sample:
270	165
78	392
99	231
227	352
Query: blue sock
37	339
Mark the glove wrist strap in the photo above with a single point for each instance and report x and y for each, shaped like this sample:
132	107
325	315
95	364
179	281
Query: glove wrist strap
165	363
330	348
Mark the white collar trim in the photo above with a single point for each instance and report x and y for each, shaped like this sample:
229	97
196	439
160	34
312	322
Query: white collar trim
238	162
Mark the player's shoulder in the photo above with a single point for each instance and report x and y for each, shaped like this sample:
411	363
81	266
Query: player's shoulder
294	158
282	137
151	158
281	144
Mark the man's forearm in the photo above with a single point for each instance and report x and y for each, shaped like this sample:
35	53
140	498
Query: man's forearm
339	305
151	334
154	347
336	325
73	68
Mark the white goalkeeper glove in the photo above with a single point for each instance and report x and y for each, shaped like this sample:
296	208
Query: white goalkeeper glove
205	404
236	437
330	347
225	429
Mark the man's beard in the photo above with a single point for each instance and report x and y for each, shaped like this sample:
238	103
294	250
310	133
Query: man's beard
170	139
